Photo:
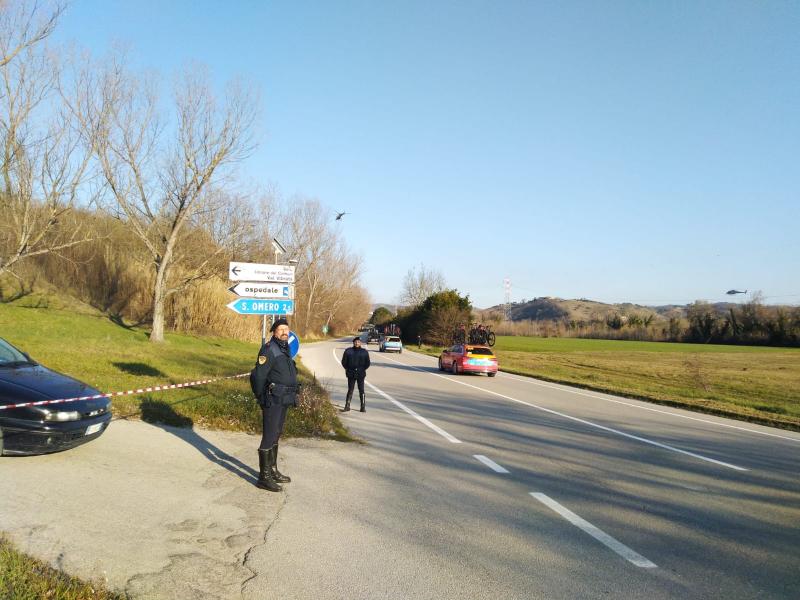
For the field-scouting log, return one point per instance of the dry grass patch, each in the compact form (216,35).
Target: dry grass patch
(25,578)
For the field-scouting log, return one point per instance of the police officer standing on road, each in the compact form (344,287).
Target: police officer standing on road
(355,362)
(274,382)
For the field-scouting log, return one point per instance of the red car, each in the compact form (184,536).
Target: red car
(468,359)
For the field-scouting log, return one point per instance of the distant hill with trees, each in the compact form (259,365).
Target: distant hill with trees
(751,322)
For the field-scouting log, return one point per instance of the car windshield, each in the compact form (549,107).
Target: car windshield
(481,351)
(10,355)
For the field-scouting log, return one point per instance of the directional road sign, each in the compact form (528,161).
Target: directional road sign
(239,271)
(294,344)
(260,289)
(253,306)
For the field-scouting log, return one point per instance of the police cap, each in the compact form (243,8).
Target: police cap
(278,323)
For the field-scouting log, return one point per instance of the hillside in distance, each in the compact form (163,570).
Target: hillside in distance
(549,308)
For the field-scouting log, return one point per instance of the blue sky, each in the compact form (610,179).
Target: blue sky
(620,151)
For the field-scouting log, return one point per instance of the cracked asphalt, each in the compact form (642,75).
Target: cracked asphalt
(154,511)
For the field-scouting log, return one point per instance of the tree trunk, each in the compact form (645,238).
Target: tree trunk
(160,295)
(157,334)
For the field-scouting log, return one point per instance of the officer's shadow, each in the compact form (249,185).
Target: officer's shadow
(164,416)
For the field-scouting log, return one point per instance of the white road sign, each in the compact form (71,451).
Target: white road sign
(260,289)
(239,271)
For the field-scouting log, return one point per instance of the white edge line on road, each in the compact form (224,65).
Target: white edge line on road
(420,418)
(490,463)
(598,534)
(565,388)
(584,421)
(533,381)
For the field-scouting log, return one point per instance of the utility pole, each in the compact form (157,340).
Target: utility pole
(507,299)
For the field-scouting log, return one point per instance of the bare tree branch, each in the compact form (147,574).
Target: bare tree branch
(44,164)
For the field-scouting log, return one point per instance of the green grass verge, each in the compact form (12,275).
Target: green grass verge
(89,346)
(25,578)
(753,383)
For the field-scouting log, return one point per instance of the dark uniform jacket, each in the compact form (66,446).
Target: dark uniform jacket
(275,375)
(355,362)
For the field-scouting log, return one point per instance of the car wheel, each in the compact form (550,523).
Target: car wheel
(454,368)
(399,351)
(491,374)
(441,366)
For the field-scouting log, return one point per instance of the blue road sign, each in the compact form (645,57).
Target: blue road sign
(253,306)
(294,344)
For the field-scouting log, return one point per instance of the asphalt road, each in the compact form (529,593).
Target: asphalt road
(466,487)
(472,487)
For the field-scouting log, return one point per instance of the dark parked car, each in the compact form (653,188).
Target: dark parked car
(51,427)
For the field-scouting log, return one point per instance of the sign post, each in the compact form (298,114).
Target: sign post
(238,271)
(259,289)
(264,289)
(255,306)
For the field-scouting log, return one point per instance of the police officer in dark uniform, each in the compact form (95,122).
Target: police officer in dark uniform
(355,362)
(274,382)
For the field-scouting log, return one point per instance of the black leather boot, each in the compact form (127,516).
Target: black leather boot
(347,401)
(265,478)
(277,475)
(363,402)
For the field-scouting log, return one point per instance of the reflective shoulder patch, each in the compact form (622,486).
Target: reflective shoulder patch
(262,360)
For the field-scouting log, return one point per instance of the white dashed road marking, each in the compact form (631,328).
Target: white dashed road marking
(598,534)
(490,463)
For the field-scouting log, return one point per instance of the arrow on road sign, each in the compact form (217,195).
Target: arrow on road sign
(253,306)
(257,289)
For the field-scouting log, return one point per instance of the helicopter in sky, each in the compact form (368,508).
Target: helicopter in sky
(339,215)
(734,292)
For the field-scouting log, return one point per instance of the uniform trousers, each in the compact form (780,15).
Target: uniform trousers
(351,382)
(273,418)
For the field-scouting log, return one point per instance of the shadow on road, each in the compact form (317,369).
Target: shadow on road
(434,369)
(158,413)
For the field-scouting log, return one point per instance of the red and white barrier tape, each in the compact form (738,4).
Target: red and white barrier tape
(157,388)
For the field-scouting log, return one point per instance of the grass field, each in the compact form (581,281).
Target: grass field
(754,383)
(87,345)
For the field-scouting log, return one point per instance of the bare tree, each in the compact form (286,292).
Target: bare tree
(311,244)
(418,285)
(23,24)
(43,162)
(162,179)
(327,271)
